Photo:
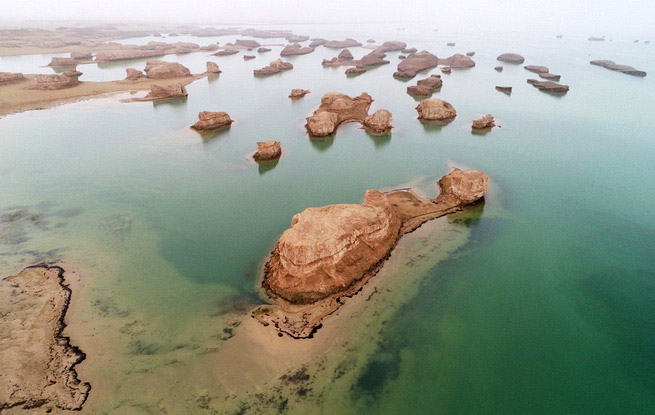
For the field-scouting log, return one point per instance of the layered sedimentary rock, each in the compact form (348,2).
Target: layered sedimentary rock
(537,69)
(299,93)
(511,58)
(226,52)
(81,55)
(611,65)
(425,87)
(375,57)
(248,57)
(38,361)
(10,77)
(339,44)
(209,48)
(484,123)
(212,120)
(63,62)
(292,50)
(457,61)
(380,122)
(276,66)
(414,63)
(50,82)
(73,73)
(212,67)
(505,89)
(329,252)
(549,86)
(436,110)
(134,74)
(336,109)
(156,69)
(158,92)
(267,151)
(357,70)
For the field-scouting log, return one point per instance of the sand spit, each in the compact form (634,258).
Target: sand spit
(38,361)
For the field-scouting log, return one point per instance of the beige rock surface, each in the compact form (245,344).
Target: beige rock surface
(212,120)
(299,93)
(484,123)
(380,122)
(268,150)
(52,81)
(414,63)
(156,69)
(341,109)
(435,110)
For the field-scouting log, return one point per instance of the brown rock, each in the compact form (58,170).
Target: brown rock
(471,53)
(212,120)
(462,187)
(322,124)
(262,50)
(511,58)
(370,41)
(458,61)
(401,57)
(291,50)
(409,50)
(276,66)
(435,110)
(345,55)
(504,89)
(537,69)
(81,55)
(393,46)
(10,77)
(134,74)
(212,67)
(339,44)
(484,123)
(156,69)
(158,92)
(611,65)
(226,52)
(549,86)
(550,76)
(357,70)
(380,122)
(267,151)
(433,81)
(73,73)
(450,44)
(209,48)
(247,43)
(63,62)
(420,90)
(499,68)
(317,42)
(299,93)
(425,87)
(414,63)
(50,82)
(341,109)
(248,57)
(446,69)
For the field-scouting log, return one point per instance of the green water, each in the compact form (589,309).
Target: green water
(547,307)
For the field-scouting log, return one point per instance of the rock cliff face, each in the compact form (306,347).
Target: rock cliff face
(212,120)
(435,110)
(336,109)
(511,58)
(63,62)
(328,249)
(156,69)
(537,69)
(134,74)
(611,65)
(425,87)
(158,92)
(414,63)
(549,86)
(10,77)
(212,67)
(50,82)
(380,122)
(267,151)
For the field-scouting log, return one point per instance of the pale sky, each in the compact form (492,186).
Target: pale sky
(610,17)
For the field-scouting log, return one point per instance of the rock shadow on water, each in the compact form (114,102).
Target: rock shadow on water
(322,143)
(470,216)
(209,135)
(266,166)
(434,126)
(174,102)
(379,140)
(481,131)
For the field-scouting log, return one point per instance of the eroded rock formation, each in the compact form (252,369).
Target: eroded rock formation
(457,61)
(156,69)
(339,44)
(484,123)
(611,65)
(549,86)
(336,109)
(537,69)
(436,110)
(63,62)
(511,58)
(276,66)
(267,151)
(10,77)
(212,120)
(158,92)
(226,52)
(51,81)
(357,70)
(425,87)
(292,50)
(414,63)
(134,74)
(212,67)
(299,93)
(504,89)
(345,55)
(380,122)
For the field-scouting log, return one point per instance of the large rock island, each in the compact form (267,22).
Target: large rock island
(329,252)
(337,109)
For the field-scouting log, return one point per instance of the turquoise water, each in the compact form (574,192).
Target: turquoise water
(547,308)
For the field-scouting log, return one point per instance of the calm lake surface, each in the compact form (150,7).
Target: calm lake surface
(545,305)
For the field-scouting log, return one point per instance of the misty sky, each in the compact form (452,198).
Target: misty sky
(633,17)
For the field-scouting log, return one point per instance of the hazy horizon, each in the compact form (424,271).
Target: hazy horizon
(599,17)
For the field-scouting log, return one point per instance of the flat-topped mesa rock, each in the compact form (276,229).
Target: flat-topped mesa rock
(246,43)
(485,123)
(345,55)
(38,361)
(611,65)
(375,57)
(505,89)
(226,52)
(81,56)
(156,69)
(394,46)
(299,93)
(435,110)
(549,86)
(511,58)
(52,82)
(63,62)
(537,69)
(212,67)
(458,61)
(268,151)
(330,252)
(158,92)
(425,87)
(471,53)
(550,76)
(262,50)
(416,62)
(356,71)
(212,120)
(380,122)
(499,68)
(134,74)
(276,66)
(291,50)
(450,44)
(151,50)
(248,57)
(340,44)
(336,109)
(7,77)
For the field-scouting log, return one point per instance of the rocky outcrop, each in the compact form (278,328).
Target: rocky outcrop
(611,65)
(596,39)
(345,55)
(375,57)
(380,122)
(212,120)
(550,76)
(317,42)
(504,89)
(81,55)
(6,77)
(409,50)
(226,52)
(416,62)
(436,110)
(299,93)
(51,82)
(484,123)
(158,92)
(471,53)
(248,57)
(262,50)
(425,87)
(457,61)
(63,62)
(244,43)
(511,58)
(267,151)
(209,48)
(292,50)
(549,86)
(73,73)
(499,68)
(370,40)
(212,67)
(276,66)
(394,46)
(329,252)
(134,74)
(156,69)
(446,69)
(38,360)
(537,69)
(336,109)
(356,71)
(450,44)
(339,44)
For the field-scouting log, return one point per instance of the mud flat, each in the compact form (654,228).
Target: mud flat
(38,361)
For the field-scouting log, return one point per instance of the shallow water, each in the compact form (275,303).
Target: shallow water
(546,308)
